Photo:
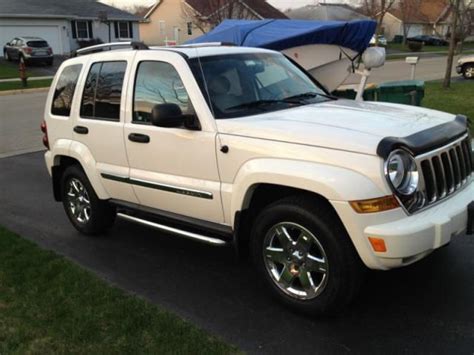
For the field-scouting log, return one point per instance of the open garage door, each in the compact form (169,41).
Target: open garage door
(50,33)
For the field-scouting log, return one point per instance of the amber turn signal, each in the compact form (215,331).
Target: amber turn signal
(375,204)
(378,244)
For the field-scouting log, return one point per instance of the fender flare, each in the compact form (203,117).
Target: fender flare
(82,154)
(331,182)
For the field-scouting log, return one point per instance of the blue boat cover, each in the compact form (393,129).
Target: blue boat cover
(283,34)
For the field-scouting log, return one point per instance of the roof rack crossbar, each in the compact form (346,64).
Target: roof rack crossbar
(109,47)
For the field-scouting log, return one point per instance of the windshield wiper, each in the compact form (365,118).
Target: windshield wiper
(263,103)
(309,95)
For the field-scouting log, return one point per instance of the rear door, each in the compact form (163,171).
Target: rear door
(100,122)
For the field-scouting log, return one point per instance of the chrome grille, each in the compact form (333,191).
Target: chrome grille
(444,171)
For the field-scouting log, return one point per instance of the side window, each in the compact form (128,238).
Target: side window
(157,83)
(64,92)
(103,91)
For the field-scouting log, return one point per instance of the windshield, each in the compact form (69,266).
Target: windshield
(238,85)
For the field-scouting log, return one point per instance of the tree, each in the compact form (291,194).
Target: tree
(376,9)
(456,4)
(408,9)
(213,12)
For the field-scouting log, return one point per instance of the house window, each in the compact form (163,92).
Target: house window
(82,29)
(162,27)
(124,30)
(190,28)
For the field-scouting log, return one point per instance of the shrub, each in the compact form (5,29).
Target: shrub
(83,43)
(414,46)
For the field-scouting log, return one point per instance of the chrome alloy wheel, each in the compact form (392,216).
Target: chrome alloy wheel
(295,260)
(78,201)
(469,72)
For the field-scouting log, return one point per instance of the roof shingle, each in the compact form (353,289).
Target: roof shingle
(87,9)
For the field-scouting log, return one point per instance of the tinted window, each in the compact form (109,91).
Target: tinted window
(238,85)
(158,83)
(64,91)
(37,44)
(103,91)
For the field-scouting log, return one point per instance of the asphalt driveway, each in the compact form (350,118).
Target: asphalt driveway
(426,308)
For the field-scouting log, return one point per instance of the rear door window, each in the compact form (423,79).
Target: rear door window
(64,91)
(103,91)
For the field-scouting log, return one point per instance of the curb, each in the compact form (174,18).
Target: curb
(23,91)
(30,78)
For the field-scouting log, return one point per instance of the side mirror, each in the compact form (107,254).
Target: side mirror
(373,57)
(171,116)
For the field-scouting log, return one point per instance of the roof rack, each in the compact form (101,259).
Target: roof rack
(109,47)
(204,44)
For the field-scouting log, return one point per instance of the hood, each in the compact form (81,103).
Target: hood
(340,124)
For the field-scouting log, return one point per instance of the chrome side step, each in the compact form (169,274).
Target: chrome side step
(190,235)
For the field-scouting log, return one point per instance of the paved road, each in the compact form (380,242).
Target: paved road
(20,119)
(426,69)
(426,308)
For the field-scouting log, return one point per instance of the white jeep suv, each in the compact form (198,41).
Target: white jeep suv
(240,146)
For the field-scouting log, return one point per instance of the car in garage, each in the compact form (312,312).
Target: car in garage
(429,40)
(28,50)
(465,66)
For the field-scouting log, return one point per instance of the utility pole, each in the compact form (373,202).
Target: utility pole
(452,44)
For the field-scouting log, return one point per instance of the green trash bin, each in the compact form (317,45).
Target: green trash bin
(408,92)
(371,93)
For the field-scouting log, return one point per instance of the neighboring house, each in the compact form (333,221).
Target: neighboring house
(170,21)
(326,11)
(431,17)
(65,22)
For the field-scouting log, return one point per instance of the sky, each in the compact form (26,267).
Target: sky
(280,4)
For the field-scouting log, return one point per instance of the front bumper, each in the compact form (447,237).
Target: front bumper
(407,238)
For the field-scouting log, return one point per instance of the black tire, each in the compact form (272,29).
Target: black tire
(49,62)
(468,71)
(101,213)
(345,269)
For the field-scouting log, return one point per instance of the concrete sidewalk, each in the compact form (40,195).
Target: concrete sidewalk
(29,79)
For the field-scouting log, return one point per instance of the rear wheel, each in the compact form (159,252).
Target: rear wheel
(49,62)
(87,213)
(468,71)
(305,257)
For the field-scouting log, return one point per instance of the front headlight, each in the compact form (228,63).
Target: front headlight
(402,172)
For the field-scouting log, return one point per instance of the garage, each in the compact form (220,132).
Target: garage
(51,34)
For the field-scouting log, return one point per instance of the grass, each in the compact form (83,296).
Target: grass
(457,99)
(48,305)
(8,71)
(16,85)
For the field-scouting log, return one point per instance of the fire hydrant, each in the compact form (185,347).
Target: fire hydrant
(22,70)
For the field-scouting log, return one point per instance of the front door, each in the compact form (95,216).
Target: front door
(171,169)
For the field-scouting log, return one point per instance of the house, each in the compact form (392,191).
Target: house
(326,11)
(65,23)
(176,21)
(428,17)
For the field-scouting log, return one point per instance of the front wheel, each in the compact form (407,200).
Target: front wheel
(305,257)
(468,71)
(87,213)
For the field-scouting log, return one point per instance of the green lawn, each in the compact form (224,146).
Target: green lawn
(7,71)
(49,305)
(457,99)
(16,85)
